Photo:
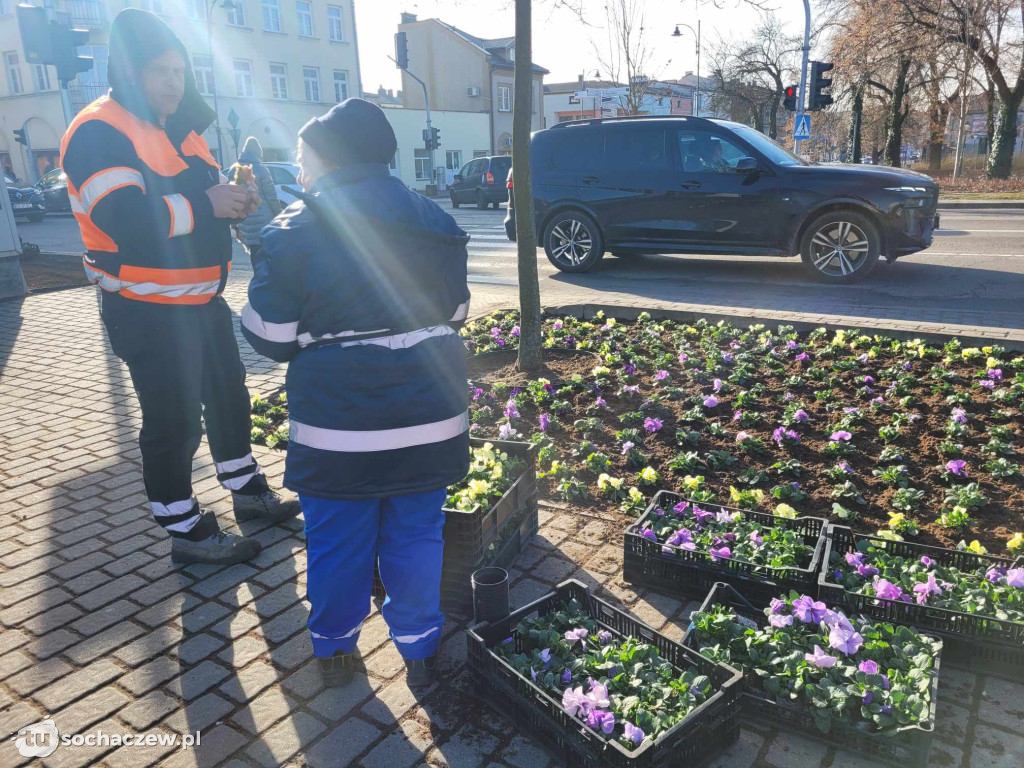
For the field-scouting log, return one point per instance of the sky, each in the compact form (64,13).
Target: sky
(562,42)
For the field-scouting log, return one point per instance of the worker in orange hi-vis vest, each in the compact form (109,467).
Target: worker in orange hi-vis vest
(155,214)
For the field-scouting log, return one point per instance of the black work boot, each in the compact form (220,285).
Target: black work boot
(421,673)
(337,670)
(219,548)
(256,499)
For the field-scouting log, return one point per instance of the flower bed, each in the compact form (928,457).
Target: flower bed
(684,548)
(868,686)
(974,602)
(598,687)
(880,434)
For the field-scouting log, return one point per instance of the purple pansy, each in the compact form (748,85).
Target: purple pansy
(600,720)
(723,553)
(845,640)
(661,375)
(576,635)
(840,434)
(987,384)
(926,561)
(515,331)
(604,636)
(545,422)
(957,467)
(820,659)
(1015,578)
(627,447)
(800,415)
(717,385)
(650,535)
(927,588)
(511,411)
(959,415)
(803,357)
(868,667)
(710,401)
(887,590)
(777,605)
(632,733)
(778,621)
(567,677)
(996,374)
(868,697)
(652,424)
(575,702)
(809,610)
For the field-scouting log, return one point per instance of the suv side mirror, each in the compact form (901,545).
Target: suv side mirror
(746,165)
(458,177)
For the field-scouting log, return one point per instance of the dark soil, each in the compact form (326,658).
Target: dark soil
(49,271)
(994,523)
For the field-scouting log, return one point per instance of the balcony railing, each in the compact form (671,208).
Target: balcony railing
(82,95)
(85,13)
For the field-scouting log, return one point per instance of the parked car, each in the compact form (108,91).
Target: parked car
(481,181)
(26,202)
(698,185)
(284,174)
(54,186)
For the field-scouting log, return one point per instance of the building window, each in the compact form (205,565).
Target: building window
(504,98)
(236,14)
(340,85)
(304,12)
(453,159)
(13,66)
(41,74)
(271,16)
(202,67)
(278,81)
(393,164)
(335,24)
(196,9)
(243,78)
(422,165)
(311,80)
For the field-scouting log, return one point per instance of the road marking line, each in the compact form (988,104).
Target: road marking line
(980,231)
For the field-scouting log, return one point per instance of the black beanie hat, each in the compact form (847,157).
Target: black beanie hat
(136,38)
(354,131)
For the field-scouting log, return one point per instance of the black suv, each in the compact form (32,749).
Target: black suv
(696,185)
(482,181)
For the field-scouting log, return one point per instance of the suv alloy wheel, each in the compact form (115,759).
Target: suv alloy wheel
(573,242)
(840,247)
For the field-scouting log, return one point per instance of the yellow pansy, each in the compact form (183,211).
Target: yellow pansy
(784,510)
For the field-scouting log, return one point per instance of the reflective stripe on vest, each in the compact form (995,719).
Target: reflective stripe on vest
(366,441)
(160,286)
(102,184)
(392,341)
(181,215)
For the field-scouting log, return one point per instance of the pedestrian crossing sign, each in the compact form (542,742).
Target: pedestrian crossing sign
(802,127)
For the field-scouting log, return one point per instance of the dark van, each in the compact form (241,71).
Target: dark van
(482,181)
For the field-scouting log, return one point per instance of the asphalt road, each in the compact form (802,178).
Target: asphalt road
(972,275)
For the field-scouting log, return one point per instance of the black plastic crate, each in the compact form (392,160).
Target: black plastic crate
(710,728)
(456,575)
(692,574)
(908,747)
(468,535)
(983,644)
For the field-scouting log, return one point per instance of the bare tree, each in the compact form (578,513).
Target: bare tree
(755,71)
(627,56)
(982,26)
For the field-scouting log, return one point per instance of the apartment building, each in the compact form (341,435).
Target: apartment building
(267,66)
(466,73)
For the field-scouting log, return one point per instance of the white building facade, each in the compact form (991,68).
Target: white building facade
(269,65)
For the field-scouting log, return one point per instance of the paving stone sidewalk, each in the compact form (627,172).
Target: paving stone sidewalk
(100,631)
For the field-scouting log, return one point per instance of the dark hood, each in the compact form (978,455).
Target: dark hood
(137,37)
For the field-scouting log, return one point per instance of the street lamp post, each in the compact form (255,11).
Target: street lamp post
(228,5)
(696,32)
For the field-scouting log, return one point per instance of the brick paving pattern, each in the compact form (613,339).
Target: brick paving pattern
(101,631)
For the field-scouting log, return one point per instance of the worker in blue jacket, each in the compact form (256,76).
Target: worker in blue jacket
(361,286)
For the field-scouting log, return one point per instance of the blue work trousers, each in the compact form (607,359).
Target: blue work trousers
(404,534)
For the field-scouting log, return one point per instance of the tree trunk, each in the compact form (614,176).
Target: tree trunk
(853,149)
(526,237)
(990,113)
(897,114)
(1000,156)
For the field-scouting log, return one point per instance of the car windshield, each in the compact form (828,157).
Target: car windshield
(770,149)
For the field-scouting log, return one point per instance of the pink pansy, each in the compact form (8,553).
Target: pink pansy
(820,659)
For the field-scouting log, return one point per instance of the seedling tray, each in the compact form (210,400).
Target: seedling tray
(983,644)
(710,728)
(908,747)
(692,573)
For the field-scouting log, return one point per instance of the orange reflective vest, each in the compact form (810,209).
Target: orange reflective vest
(140,201)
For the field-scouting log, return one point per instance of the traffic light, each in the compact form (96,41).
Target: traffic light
(51,42)
(36,38)
(20,137)
(401,50)
(65,48)
(789,102)
(819,83)
(435,137)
